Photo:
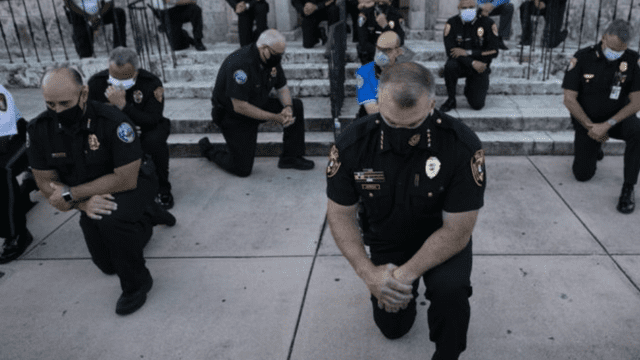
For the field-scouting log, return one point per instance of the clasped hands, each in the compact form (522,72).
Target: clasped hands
(116,96)
(391,286)
(285,117)
(95,207)
(599,131)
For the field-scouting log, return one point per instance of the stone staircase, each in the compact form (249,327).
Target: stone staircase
(522,116)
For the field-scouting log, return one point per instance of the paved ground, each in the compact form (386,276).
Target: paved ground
(251,272)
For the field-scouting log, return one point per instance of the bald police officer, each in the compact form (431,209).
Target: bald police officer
(376,17)
(602,93)
(420,177)
(241,103)
(86,155)
(471,42)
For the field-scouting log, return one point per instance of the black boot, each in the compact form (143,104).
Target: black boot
(448,105)
(14,247)
(627,203)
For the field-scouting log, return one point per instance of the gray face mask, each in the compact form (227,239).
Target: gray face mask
(381,59)
(612,55)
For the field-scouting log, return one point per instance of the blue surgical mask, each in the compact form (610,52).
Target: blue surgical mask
(612,55)
(122,84)
(468,15)
(381,59)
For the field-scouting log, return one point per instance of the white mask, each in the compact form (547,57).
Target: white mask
(122,84)
(612,55)
(468,15)
(381,59)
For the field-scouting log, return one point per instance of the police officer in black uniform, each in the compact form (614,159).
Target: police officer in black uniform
(248,12)
(312,13)
(87,15)
(553,12)
(375,18)
(176,13)
(86,155)
(140,95)
(420,178)
(241,102)
(602,93)
(471,42)
(13,203)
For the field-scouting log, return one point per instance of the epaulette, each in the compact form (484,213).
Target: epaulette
(462,131)
(358,129)
(100,74)
(585,51)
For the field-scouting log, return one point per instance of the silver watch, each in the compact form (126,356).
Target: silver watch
(612,122)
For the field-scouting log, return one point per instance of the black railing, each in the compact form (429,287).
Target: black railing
(337,63)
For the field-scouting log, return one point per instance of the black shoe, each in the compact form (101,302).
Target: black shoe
(165,200)
(525,43)
(159,216)
(448,105)
(323,36)
(128,304)
(502,45)
(600,154)
(560,39)
(205,146)
(14,247)
(199,45)
(298,163)
(627,203)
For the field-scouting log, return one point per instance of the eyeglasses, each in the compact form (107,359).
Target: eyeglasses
(386,50)
(273,52)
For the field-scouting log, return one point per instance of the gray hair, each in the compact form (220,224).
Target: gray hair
(416,80)
(621,29)
(74,73)
(270,37)
(123,55)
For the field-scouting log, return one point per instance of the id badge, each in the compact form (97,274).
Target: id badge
(615,92)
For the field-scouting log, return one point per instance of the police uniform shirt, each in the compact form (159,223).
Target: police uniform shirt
(101,141)
(367,83)
(321,4)
(404,195)
(243,76)
(478,36)
(145,99)
(367,20)
(597,79)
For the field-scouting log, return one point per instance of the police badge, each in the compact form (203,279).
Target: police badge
(477,167)
(432,167)
(480,31)
(274,72)
(94,144)
(334,162)
(137,96)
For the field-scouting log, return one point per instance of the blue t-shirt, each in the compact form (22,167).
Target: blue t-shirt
(367,84)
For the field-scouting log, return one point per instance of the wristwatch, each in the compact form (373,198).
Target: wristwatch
(66,194)
(612,122)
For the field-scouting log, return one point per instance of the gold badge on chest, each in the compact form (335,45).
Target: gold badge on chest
(480,31)
(137,96)
(432,167)
(274,72)
(94,144)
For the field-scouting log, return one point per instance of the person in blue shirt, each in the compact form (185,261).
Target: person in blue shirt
(387,51)
(505,9)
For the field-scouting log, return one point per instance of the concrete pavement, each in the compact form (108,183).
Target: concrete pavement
(251,272)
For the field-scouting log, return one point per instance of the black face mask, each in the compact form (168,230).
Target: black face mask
(273,61)
(68,118)
(401,139)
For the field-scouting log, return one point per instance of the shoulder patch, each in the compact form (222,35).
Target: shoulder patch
(494,29)
(126,133)
(478,167)
(334,162)
(447,29)
(572,64)
(158,93)
(240,77)
(359,81)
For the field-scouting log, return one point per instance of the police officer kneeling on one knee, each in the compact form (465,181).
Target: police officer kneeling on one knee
(420,178)
(471,42)
(241,102)
(140,95)
(376,17)
(86,155)
(602,93)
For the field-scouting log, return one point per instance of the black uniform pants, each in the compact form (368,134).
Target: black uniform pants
(83,35)
(178,15)
(116,241)
(476,85)
(154,143)
(506,15)
(448,290)
(13,207)
(553,16)
(352,10)
(241,135)
(257,12)
(586,150)
(311,24)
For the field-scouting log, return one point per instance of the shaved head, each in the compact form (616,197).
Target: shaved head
(388,40)
(60,77)
(63,88)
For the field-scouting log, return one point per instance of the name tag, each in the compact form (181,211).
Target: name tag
(615,92)
(369,176)
(370,187)
(58,155)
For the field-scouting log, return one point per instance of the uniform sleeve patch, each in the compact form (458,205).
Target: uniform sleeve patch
(159,94)
(447,29)
(478,167)
(334,162)
(572,64)
(359,81)
(240,77)
(494,28)
(126,133)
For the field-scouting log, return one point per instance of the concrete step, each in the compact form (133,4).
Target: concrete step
(320,87)
(501,113)
(509,143)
